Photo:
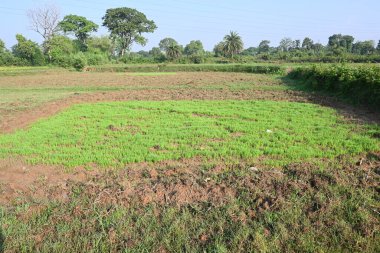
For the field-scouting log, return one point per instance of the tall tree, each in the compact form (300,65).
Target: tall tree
(28,50)
(378,46)
(127,25)
(297,44)
(174,52)
(364,47)
(218,49)
(166,43)
(341,41)
(286,44)
(195,47)
(44,21)
(307,43)
(264,46)
(233,44)
(80,27)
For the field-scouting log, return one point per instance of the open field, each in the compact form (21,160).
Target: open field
(184,162)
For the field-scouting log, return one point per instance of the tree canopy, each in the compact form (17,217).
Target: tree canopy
(233,44)
(166,43)
(195,47)
(79,26)
(28,50)
(127,25)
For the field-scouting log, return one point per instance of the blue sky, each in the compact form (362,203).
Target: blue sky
(210,20)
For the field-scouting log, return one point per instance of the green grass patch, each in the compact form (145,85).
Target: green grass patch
(118,133)
(242,68)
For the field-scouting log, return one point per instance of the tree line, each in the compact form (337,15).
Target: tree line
(69,43)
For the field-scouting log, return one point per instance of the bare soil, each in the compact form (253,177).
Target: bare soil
(181,182)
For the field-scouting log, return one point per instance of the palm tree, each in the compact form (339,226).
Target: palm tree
(173,51)
(233,44)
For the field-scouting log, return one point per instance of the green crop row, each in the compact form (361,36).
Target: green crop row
(361,84)
(258,69)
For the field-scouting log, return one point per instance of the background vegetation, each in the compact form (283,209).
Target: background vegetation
(69,43)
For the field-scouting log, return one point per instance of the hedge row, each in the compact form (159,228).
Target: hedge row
(259,69)
(361,84)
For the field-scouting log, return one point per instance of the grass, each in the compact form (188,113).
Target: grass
(118,133)
(318,198)
(308,211)
(242,68)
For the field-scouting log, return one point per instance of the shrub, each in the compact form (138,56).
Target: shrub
(359,83)
(79,62)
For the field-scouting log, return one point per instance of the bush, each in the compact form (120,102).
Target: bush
(359,83)
(96,59)
(79,62)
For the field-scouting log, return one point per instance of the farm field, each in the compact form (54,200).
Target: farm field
(183,162)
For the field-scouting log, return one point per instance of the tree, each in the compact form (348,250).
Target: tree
(233,44)
(166,43)
(317,47)
(364,47)
(2,46)
(307,43)
(156,53)
(28,50)
(173,52)
(195,47)
(44,21)
(264,46)
(286,44)
(101,44)
(127,25)
(378,47)
(297,44)
(80,27)
(341,41)
(218,49)
(250,51)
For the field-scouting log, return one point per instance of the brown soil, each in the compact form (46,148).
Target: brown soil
(183,182)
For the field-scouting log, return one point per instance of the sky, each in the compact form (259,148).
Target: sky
(210,20)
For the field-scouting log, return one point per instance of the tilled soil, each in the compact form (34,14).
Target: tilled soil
(181,182)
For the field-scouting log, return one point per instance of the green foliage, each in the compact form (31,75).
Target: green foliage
(194,48)
(232,44)
(166,43)
(61,48)
(345,42)
(2,46)
(114,134)
(264,46)
(79,62)
(157,54)
(173,52)
(241,68)
(361,84)
(28,50)
(218,49)
(307,43)
(364,47)
(127,25)
(80,27)
(101,44)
